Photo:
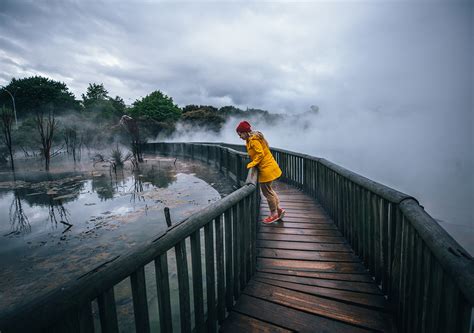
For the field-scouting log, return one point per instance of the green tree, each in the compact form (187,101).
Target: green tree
(206,118)
(119,105)
(97,100)
(156,107)
(230,110)
(192,107)
(95,94)
(38,93)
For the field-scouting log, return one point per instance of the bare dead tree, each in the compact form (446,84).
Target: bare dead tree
(66,139)
(131,126)
(6,118)
(72,141)
(46,126)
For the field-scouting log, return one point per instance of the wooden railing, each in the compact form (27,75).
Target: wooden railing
(427,276)
(229,254)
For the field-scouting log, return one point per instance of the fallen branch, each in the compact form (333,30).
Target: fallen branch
(68,224)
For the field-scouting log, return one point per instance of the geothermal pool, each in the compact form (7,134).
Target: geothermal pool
(59,225)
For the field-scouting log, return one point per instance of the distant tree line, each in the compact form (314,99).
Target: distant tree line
(50,118)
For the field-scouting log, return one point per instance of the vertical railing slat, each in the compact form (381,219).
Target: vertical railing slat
(228,261)
(418,283)
(197,281)
(140,303)
(427,286)
(86,321)
(236,252)
(449,308)
(163,290)
(220,269)
(108,312)
(183,283)
(210,277)
(243,241)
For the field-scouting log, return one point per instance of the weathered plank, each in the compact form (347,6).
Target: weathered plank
(346,313)
(304,246)
(238,323)
(361,287)
(303,210)
(307,255)
(305,215)
(295,231)
(301,219)
(301,238)
(375,301)
(308,265)
(290,318)
(319,226)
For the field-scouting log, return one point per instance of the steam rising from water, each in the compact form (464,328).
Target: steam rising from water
(381,147)
(397,108)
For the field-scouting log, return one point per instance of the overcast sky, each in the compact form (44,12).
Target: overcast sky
(393,79)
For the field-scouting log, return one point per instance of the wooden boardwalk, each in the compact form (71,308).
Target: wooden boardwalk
(308,278)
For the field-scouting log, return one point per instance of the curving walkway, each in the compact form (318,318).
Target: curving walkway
(308,278)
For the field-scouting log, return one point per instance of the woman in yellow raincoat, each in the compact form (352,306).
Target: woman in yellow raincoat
(268,169)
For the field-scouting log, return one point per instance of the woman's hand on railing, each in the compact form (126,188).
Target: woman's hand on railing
(252,176)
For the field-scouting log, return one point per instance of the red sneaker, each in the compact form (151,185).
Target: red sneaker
(281,213)
(271,219)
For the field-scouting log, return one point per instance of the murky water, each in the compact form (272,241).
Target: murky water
(59,225)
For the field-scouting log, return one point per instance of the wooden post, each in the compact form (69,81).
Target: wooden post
(228,260)
(140,302)
(163,290)
(210,277)
(108,312)
(168,217)
(183,284)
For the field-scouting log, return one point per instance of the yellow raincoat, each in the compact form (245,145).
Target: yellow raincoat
(262,158)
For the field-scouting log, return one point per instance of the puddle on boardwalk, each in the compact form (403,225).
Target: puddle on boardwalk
(56,226)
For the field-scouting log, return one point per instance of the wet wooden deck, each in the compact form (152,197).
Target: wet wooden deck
(308,278)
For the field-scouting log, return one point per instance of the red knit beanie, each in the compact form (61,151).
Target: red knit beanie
(244,126)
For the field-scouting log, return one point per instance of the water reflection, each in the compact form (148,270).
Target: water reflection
(71,222)
(39,189)
(137,189)
(104,186)
(158,176)
(59,213)
(107,186)
(18,219)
